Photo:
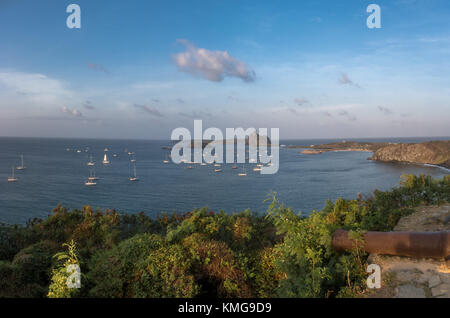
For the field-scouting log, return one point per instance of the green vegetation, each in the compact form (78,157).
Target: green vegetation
(202,253)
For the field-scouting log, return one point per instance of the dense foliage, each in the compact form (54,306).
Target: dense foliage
(202,253)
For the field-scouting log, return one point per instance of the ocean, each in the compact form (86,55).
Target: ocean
(55,176)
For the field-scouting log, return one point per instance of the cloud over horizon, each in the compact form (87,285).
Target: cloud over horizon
(211,65)
(149,110)
(73,112)
(347,115)
(385,110)
(88,105)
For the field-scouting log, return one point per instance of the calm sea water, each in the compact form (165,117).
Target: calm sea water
(304,182)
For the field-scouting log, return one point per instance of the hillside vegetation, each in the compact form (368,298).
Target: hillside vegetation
(203,253)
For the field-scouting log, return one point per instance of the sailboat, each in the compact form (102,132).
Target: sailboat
(105,160)
(91,162)
(133,158)
(92,176)
(90,183)
(12,178)
(21,167)
(243,173)
(134,177)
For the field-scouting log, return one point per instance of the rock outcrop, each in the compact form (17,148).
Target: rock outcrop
(432,152)
(404,277)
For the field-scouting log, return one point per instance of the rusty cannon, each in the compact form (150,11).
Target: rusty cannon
(412,244)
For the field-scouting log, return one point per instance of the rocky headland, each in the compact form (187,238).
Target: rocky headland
(433,152)
(430,152)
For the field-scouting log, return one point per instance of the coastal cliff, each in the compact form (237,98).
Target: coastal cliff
(433,152)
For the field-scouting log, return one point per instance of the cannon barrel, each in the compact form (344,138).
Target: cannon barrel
(413,244)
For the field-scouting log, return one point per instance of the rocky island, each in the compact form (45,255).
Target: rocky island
(430,152)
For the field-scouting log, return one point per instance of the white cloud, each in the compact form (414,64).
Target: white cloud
(73,112)
(211,65)
(34,87)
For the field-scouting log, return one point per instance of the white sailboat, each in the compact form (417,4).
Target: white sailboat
(90,183)
(134,177)
(105,160)
(12,178)
(91,162)
(22,166)
(91,180)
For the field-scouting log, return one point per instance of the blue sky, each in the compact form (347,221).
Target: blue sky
(138,69)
